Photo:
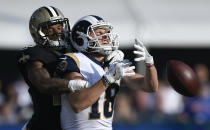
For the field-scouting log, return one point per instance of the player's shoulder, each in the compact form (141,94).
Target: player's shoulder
(67,63)
(70,58)
(31,49)
(23,53)
(78,55)
(74,54)
(32,53)
(36,49)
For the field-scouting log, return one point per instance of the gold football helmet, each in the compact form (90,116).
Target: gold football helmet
(44,17)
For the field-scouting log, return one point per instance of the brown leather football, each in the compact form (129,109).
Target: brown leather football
(182,78)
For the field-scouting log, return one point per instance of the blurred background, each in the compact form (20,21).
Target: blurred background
(171,29)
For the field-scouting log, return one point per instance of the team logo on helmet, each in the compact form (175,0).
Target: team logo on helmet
(82,41)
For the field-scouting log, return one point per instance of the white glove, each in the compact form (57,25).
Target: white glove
(142,53)
(77,85)
(118,70)
(126,71)
(116,55)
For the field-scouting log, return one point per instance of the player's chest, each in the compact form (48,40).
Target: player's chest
(91,71)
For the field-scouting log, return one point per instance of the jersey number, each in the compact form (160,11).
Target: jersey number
(107,105)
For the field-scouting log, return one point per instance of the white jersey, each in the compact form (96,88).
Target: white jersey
(98,116)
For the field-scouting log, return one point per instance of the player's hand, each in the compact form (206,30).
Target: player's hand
(115,56)
(126,70)
(142,53)
(77,85)
(118,70)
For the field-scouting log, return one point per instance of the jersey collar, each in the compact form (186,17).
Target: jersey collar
(93,59)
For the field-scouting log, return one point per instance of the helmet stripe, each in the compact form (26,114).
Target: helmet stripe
(90,19)
(97,17)
(52,11)
(55,10)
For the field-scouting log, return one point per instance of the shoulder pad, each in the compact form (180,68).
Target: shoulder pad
(73,57)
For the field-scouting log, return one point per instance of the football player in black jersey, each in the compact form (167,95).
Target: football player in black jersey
(50,31)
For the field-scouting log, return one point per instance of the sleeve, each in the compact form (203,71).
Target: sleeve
(67,63)
(22,57)
(32,54)
(37,54)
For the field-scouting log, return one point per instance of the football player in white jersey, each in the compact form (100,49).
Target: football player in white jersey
(91,108)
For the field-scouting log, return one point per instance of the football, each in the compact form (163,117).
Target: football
(182,78)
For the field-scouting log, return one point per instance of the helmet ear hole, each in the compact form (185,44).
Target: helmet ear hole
(80,43)
(81,40)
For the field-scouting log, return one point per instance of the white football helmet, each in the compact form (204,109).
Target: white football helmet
(82,41)
(44,17)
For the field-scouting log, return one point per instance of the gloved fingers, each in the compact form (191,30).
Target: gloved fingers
(126,60)
(129,68)
(116,62)
(116,55)
(138,53)
(120,53)
(83,83)
(110,56)
(126,64)
(129,74)
(112,61)
(77,84)
(138,47)
(138,42)
(139,59)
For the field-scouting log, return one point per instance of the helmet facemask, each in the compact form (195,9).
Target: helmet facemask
(93,43)
(62,38)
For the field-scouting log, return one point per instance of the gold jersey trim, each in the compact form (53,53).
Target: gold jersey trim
(74,57)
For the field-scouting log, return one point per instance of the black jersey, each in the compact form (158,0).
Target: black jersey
(46,114)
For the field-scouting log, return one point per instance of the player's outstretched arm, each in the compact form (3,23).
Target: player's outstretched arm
(40,78)
(151,79)
(149,82)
